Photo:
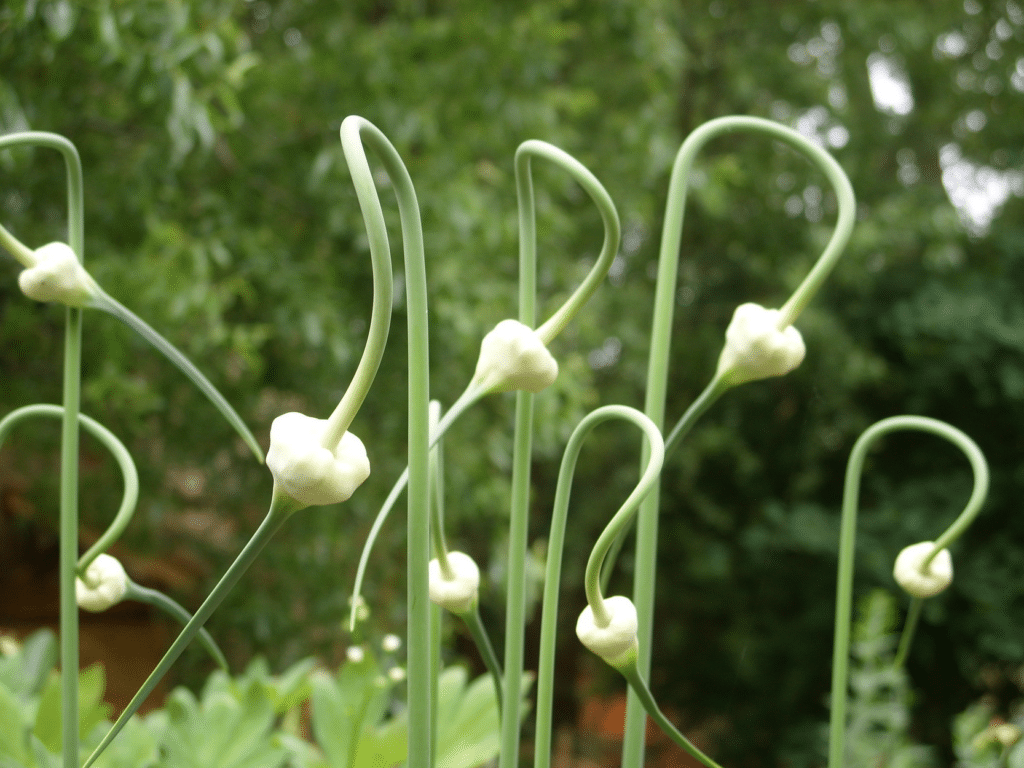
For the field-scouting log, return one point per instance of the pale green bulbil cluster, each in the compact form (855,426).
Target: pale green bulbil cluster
(456,591)
(513,357)
(756,347)
(917,576)
(311,473)
(615,640)
(103,585)
(57,275)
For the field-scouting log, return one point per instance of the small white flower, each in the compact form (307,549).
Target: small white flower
(307,471)
(355,653)
(755,348)
(57,276)
(397,674)
(917,582)
(105,584)
(391,643)
(616,643)
(512,357)
(458,595)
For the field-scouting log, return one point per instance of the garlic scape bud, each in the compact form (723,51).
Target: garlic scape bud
(104,584)
(756,347)
(919,580)
(57,275)
(513,356)
(616,640)
(307,470)
(458,591)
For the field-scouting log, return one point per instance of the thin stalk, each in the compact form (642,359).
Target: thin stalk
(847,540)
(907,636)
(661,335)
(113,307)
(281,508)
(478,632)
(646,699)
(354,132)
(556,546)
(170,607)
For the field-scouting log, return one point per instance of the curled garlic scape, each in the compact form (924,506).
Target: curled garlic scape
(308,471)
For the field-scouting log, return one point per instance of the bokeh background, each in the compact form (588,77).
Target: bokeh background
(219,208)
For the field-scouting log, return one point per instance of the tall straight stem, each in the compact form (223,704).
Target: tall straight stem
(515,606)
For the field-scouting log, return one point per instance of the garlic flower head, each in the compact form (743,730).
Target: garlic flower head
(755,348)
(512,357)
(105,584)
(458,595)
(308,472)
(57,276)
(915,580)
(616,643)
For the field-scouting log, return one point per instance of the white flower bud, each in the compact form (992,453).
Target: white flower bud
(308,472)
(616,643)
(917,582)
(755,348)
(512,356)
(104,585)
(57,276)
(458,595)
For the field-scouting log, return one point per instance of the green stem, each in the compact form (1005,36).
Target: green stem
(609,216)
(556,545)
(847,540)
(907,636)
(171,608)
(661,335)
(354,132)
(21,252)
(113,307)
(281,508)
(478,632)
(69,436)
(437,495)
(646,699)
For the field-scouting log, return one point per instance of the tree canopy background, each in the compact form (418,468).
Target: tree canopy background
(218,207)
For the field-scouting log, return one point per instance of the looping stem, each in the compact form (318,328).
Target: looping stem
(847,539)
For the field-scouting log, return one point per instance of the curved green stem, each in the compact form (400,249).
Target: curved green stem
(106,303)
(354,132)
(907,636)
(646,699)
(437,495)
(281,508)
(69,439)
(556,545)
(159,600)
(21,252)
(847,539)
(482,640)
(609,216)
(661,335)
(129,474)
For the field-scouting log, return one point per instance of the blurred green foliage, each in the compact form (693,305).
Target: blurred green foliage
(219,208)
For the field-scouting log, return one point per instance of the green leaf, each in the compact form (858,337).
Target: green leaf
(13,728)
(91,707)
